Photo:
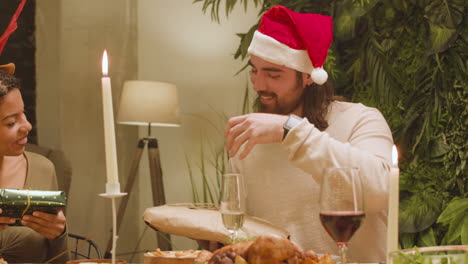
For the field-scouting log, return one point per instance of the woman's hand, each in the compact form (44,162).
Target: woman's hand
(5,221)
(49,225)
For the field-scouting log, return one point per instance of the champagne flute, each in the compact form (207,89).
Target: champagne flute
(232,203)
(341,205)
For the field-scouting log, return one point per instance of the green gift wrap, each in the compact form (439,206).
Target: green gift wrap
(16,203)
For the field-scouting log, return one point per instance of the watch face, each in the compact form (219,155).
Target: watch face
(289,123)
(292,121)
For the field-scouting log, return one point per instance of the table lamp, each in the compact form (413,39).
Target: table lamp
(148,103)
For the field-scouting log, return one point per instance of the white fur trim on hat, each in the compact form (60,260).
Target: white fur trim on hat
(276,52)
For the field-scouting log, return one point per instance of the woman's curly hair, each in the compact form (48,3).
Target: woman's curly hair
(8,82)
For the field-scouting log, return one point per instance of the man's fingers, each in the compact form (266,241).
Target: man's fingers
(233,121)
(248,147)
(257,128)
(235,132)
(238,142)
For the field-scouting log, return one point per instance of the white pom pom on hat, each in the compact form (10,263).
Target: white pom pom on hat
(319,75)
(296,40)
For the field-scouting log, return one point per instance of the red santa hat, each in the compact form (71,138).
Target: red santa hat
(295,40)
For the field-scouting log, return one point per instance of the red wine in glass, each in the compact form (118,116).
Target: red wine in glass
(341,205)
(341,225)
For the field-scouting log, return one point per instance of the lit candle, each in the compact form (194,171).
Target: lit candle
(393,200)
(109,132)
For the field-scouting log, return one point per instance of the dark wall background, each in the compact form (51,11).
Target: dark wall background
(20,49)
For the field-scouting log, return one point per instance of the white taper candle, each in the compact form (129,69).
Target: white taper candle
(109,131)
(393,201)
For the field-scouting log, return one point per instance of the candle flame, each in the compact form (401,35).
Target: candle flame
(104,63)
(394,156)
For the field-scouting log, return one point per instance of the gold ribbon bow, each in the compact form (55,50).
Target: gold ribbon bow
(27,205)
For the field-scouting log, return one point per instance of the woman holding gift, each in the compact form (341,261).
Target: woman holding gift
(42,235)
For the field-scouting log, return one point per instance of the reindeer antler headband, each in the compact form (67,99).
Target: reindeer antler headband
(12,26)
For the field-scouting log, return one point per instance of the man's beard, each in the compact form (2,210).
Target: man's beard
(277,108)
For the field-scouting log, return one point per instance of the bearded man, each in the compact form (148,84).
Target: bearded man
(301,130)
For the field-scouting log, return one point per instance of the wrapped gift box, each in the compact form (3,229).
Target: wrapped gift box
(189,220)
(16,203)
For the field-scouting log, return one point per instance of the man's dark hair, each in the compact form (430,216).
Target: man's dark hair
(316,98)
(8,82)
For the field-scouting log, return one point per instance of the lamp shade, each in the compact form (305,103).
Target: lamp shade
(149,102)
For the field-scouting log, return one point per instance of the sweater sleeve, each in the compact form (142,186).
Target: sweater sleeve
(367,145)
(59,246)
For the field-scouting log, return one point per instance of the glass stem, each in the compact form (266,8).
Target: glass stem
(343,249)
(233,235)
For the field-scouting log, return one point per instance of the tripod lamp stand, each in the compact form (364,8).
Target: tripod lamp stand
(147,103)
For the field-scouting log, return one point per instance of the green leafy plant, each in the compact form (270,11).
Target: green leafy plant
(403,258)
(204,183)
(454,217)
(409,59)
(208,191)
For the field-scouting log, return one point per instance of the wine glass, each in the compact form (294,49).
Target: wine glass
(341,205)
(232,203)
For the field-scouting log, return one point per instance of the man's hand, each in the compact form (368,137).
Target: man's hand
(5,221)
(252,129)
(49,225)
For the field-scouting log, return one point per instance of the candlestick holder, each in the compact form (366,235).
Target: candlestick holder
(112,192)
(147,103)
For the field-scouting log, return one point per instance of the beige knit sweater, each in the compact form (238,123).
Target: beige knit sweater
(283,180)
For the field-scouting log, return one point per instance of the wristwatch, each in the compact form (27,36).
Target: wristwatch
(292,121)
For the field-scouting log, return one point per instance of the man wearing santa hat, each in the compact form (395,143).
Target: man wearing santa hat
(300,131)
